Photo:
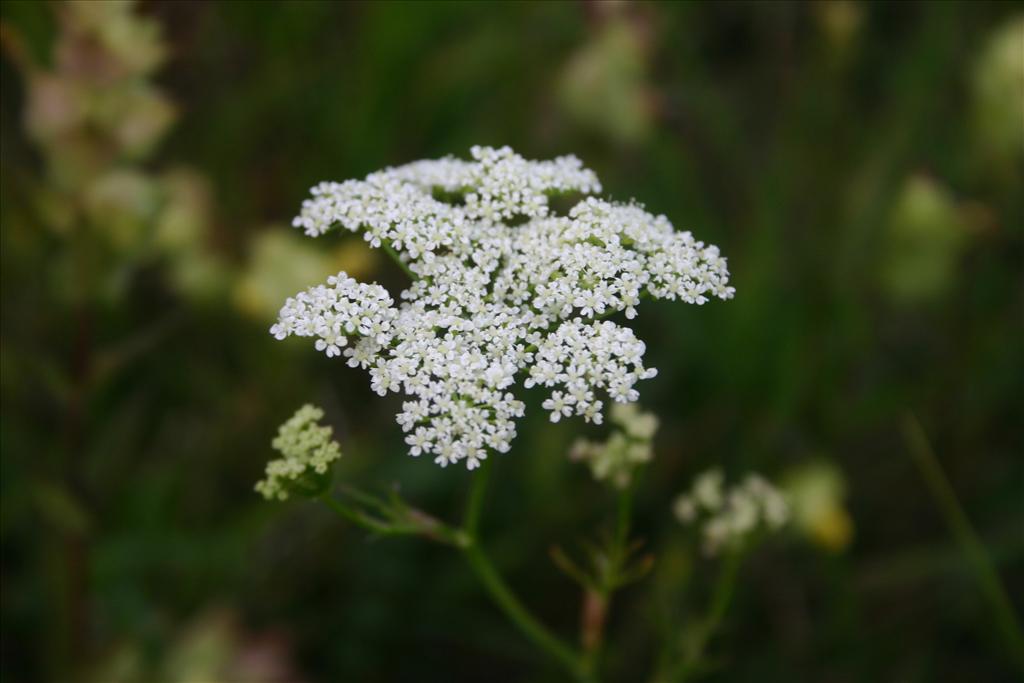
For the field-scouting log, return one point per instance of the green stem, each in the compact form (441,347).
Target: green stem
(466,540)
(966,537)
(390,251)
(397,521)
(519,615)
(500,592)
(475,501)
(725,588)
(623,519)
(597,600)
(356,517)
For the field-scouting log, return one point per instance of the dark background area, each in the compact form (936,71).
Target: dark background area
(860,164)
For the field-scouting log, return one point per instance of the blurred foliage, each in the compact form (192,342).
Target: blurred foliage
(922,244)
(860,164)
(604,86)
(212,649)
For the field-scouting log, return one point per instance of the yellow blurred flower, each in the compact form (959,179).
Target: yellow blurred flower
(282,262)
(815,493)
(604,85)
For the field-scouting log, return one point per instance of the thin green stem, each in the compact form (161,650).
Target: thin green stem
(966,537)
(475,501)
(390,251)
(520,616)
(625,512)
(721,598)
(597,599)
(355,516)
(725,588)
(500,592)
(466,540)
(397,520)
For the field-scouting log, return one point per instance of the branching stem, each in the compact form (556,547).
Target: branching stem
(357,517)
(466,539)
(597,599)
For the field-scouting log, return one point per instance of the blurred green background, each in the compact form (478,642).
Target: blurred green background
(860,164)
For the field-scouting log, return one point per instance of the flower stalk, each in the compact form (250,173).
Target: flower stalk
(967,538)
(502,595)
(520,616)
(694,660)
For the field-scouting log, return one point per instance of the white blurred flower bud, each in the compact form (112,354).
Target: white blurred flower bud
(729,515)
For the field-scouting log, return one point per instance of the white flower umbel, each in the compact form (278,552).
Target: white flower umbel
(307,451)
(727,516)
(503,287)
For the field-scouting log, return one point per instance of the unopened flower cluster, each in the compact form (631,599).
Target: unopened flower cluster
(628,446)
(727,516)
(503,287)
(307,451)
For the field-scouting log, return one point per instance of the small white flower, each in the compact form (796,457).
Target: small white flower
(419,441)
(707,490)
(559,405)
(730,515)
(685,509)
